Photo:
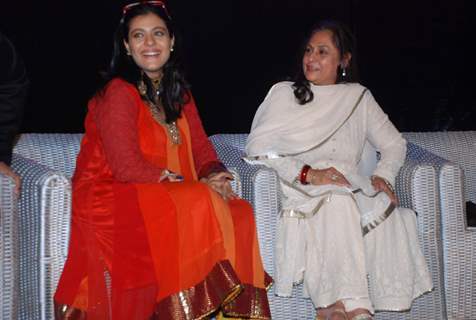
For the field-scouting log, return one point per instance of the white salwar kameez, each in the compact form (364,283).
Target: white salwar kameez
(320,236)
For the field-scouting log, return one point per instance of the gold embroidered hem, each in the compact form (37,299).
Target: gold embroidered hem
(198,302)
(252,303)
(220,289)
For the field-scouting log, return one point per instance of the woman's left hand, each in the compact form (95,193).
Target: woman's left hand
(6,170)
(380,184)
(220,182)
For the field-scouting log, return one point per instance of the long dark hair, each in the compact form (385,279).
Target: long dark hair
(344,41)
(174,89)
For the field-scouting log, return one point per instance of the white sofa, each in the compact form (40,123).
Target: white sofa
(35,230)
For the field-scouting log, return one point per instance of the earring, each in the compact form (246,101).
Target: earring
(128,53)
(171,49)
(343,72)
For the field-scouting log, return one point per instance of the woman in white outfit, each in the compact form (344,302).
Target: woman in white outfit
(339,233)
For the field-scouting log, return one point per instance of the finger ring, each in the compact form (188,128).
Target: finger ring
(334,177)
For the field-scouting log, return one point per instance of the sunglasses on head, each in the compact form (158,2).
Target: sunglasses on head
(154,3)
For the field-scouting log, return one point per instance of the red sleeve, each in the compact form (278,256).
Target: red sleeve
(116,119)
(205,157)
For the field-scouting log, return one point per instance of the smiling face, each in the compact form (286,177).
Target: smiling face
(322,59)
(149,43)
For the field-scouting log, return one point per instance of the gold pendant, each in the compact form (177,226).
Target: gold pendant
(172,128)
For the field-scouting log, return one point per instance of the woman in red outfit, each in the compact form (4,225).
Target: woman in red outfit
(157,232)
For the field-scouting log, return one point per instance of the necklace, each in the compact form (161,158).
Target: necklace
(156,85)
(156,110)
(159,117)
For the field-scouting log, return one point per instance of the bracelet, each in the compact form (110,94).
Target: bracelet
(303,175)
(389,185)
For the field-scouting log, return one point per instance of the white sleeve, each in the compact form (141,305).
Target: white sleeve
(387,140)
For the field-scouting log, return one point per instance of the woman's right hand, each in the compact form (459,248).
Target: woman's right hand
(168,175)
(220,182)
(330,175)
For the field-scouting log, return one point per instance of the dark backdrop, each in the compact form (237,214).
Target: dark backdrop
(415,56)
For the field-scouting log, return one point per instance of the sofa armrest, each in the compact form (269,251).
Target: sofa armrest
(459,243)
(260,186)
(417,180)
(44,223)
(417,187)
(9,262)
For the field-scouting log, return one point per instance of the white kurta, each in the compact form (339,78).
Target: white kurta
(327,250)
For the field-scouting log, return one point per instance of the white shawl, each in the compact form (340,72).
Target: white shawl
(282,126)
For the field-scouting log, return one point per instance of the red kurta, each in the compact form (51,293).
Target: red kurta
(141,249)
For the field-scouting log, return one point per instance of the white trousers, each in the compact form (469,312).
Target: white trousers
(383,270)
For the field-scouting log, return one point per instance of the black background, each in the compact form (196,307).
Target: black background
(415,56)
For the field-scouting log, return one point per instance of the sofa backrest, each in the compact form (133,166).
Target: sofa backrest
(56,151)
(59,151)
(367,164)
(235,140)
(456,146)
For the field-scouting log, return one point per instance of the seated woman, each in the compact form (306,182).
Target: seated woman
(157,232)
(339,233)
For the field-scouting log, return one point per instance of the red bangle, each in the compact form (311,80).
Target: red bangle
(303,175)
